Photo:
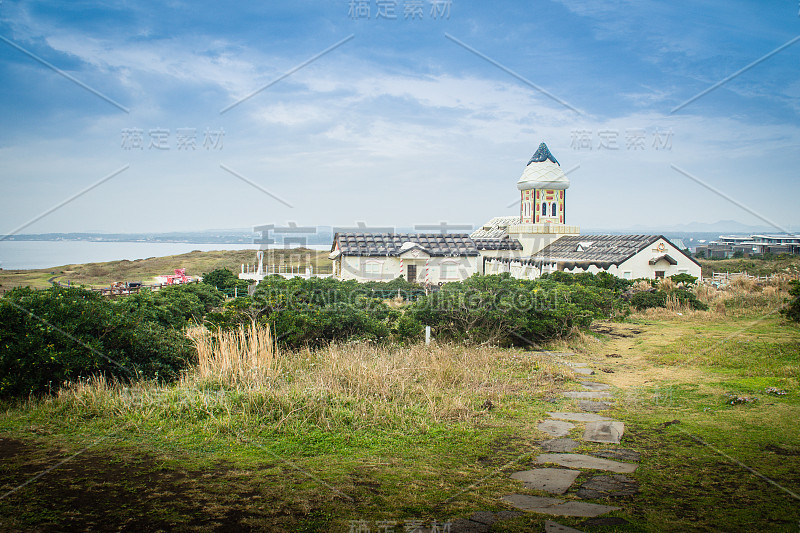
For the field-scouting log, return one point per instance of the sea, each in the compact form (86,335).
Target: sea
(19,255)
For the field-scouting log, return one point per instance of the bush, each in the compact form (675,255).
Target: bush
(172,307)
(66,334)
(792,310)
(224,279)
(318,311)
(686,279)
(689,298)
(602,280)
(500,309)
(645,300)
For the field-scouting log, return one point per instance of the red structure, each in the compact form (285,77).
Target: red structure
(178,278)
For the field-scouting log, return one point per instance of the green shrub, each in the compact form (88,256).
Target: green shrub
(66,334)
(645,300)
(224,279)
(173,307)
(792,309)
(503,310)
(686,279)
(688,297)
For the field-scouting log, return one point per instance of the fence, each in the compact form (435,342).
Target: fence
(724,278)
(124,289)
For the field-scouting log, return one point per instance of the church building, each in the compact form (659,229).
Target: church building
(537,241)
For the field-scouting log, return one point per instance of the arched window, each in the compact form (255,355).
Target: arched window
(373,269)
(544,209)
(554,209)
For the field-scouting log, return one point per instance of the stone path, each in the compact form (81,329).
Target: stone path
(607,431)
(607,468)
(555,428)
(611,464)
(552,480)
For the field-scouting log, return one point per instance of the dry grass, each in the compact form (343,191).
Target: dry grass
(241,379)
(246,354)
(744,296)
(577,340)
(666,284)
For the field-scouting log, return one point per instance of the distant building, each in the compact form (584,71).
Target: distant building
(536,241)
(728,245)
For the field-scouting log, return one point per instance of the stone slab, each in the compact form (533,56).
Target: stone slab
(555,428)
(595,386)
(592,406)
(557,507)
(619,454)
(587,395)
(605,431)
(583,371)
(608,486)
(579,460)
(559,445)
(578,417)
(555,527)
(552,480)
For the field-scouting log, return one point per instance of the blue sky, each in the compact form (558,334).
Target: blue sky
(403,123)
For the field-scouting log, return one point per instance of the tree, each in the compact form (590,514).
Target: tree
(225,280)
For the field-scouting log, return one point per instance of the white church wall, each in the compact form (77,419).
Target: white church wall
(382,268)
(639,265)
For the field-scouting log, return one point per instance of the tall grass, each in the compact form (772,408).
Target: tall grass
(741,297)
(744,296)
(241,380)
(244,354)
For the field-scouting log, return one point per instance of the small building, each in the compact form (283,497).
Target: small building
(425,258)
(625,256)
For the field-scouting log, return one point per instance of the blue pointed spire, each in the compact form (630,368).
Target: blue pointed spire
(543,154)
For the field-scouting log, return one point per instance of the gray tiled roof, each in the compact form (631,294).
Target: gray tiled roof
(434,244)
(497,244)
(495,228)
(597,249)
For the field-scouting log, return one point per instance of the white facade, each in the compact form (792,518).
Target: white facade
(415,263)
(660,259)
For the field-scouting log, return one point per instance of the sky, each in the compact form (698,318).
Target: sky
(183,116)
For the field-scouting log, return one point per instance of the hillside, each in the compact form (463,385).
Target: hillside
(754,267)
(196,263)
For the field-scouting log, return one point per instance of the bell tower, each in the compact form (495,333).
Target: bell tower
(543,194)
(543,190)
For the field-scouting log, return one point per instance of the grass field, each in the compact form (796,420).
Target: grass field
(754,267)
(144,270)
(357,432)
